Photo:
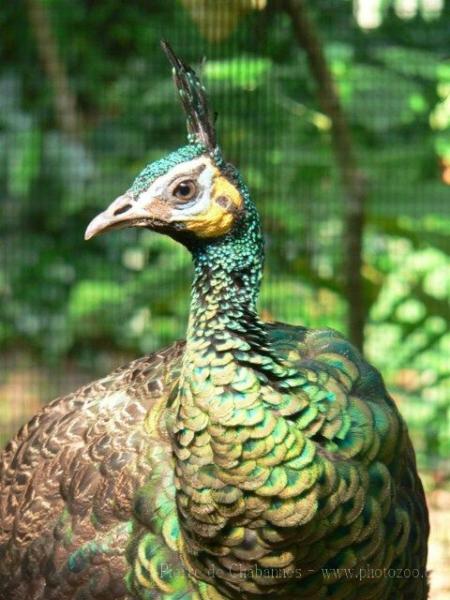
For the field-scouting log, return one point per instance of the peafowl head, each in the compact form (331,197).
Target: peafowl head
(192,194)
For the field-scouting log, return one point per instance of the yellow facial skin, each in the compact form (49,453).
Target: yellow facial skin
(217,220)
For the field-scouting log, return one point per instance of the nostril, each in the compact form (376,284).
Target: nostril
(122,209)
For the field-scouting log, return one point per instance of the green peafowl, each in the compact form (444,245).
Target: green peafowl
(252,460)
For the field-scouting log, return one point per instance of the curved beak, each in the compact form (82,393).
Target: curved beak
(123,212)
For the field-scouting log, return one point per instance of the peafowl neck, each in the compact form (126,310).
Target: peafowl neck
(227,278)
(227,361)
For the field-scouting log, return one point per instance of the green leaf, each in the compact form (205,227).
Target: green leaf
(23,160)
(95,297)
(411,62)
(377,99)
(243,72)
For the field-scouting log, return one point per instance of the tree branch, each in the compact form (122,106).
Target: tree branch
(353,181)
(64,100)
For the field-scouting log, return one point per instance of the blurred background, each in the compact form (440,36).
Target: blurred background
(338,116)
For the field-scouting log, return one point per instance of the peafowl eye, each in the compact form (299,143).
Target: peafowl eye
(253,460)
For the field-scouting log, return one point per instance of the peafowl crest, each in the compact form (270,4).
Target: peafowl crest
(251,460)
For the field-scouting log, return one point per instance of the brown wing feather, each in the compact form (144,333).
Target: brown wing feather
(67,482)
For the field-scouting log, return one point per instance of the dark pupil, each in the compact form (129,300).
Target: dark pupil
(184,189)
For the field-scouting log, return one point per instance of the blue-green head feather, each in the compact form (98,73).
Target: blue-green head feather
(162,166)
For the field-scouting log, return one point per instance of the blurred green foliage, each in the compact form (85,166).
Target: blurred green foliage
(64,298)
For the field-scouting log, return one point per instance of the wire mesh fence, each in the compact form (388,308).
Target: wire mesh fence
(87,101)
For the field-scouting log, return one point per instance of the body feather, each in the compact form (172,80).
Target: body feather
(94,470)
(68,482)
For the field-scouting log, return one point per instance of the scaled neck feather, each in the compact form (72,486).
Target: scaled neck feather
(227,279)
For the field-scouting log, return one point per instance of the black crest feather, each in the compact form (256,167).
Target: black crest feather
(200,117)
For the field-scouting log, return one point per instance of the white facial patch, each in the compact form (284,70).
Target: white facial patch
(203,199)
(158,191)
